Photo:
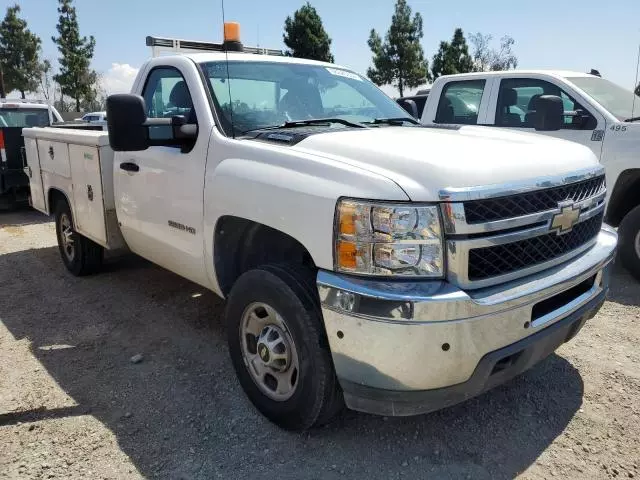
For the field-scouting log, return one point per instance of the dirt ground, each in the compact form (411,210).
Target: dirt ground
(73,405)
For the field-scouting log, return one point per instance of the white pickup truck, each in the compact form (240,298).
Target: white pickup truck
(364,259)
(597,113)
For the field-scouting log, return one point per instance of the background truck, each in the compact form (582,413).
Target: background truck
(597,113)
(14,116)
(358,266)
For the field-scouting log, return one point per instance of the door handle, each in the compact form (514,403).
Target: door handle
(130,167)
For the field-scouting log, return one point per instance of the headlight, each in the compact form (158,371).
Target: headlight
(388,239)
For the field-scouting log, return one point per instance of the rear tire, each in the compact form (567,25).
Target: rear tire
(629,244)
(293,384)
(80,255)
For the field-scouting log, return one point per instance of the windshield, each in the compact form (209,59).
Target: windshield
(24,117)
(617,100)
(263,94)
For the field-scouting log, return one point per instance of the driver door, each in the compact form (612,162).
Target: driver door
(159,191)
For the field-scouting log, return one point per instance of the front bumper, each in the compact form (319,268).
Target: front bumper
(402,348)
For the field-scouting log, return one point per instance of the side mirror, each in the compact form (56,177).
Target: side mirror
(549,113)
(126,123)
(410,106)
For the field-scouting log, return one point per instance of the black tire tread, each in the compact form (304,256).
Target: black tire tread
(627,231)
(333,401)
(295,283)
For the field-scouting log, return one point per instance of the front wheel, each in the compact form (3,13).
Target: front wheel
(80,255)
(629,244)
(279,349)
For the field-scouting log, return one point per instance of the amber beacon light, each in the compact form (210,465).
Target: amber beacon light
(232,36)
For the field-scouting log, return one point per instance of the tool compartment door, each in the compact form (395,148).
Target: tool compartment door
(32,170)
(88,197)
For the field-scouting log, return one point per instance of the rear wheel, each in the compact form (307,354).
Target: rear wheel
(629,245)
(279,349)
(80,255)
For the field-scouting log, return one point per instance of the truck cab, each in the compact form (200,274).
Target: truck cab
(359,267)
(597,114)
(16,114)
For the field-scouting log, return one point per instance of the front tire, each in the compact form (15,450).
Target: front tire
(80,255)
(629,242)
(279,348)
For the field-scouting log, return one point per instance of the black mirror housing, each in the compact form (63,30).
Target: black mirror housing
(549,113)
(410,106)
(126,118)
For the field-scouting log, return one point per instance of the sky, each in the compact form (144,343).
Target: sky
(563,34)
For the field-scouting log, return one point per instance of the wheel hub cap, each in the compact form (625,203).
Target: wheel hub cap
(66,234)
(269,352)
(273,348)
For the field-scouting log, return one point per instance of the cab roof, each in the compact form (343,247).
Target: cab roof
(252,57)
(553,73)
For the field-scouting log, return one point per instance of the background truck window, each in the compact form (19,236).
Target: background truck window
(166,94)
(516,105)
(460,102)
(24,117)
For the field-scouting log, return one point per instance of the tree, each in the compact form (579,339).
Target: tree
(399,60)
(305,35)
(47,88)
(452,57)
(76,78)
(19,54)
(486,58)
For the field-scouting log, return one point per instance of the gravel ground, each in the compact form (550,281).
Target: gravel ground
(73,405)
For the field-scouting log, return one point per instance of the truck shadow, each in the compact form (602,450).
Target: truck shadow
(625,289)
(180,413)
(22,216)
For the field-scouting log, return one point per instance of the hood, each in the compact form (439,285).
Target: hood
(422,161)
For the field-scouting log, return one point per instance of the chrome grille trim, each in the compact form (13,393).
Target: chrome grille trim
(461,237)
(455,223)
(482,192)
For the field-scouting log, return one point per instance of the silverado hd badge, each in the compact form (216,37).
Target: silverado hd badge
(563,221)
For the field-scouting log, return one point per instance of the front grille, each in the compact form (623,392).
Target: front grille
(489,210)
(498,260)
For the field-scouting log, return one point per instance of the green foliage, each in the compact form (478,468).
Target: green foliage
(19,54)
(486,58)
(76,79)
(305,35)
(452,57)
(399,60)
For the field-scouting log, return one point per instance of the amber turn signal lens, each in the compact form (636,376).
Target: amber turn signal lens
(347,254)
(347,219)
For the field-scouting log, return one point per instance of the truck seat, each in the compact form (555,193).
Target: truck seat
(508,98)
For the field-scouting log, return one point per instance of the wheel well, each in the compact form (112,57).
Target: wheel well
(53,197)
(241,244)
(625,196)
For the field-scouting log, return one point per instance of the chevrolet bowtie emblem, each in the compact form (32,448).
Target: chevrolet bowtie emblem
(563,221)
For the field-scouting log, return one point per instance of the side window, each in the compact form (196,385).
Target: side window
(460,102)
(166,94)
(516,105)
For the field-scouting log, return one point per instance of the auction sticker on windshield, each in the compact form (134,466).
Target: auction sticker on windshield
(344,73)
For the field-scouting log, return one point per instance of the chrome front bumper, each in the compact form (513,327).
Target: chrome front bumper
(404,338)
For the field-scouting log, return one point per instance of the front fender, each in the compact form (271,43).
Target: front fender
(293,193)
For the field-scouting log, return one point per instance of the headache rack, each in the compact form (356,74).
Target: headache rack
(20,100)
(161,45)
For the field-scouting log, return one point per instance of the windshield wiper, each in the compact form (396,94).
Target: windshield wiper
(320,121)
(632,119)
(393,121)
(307,122)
